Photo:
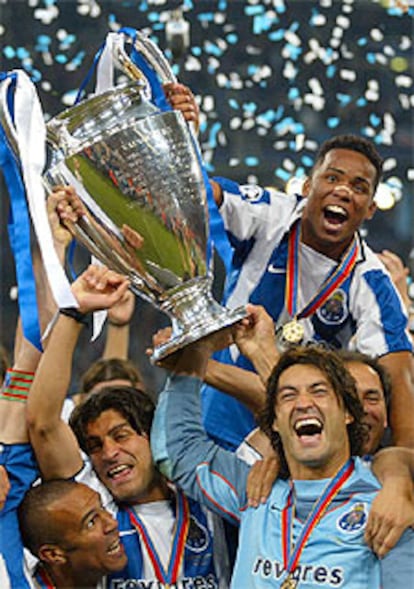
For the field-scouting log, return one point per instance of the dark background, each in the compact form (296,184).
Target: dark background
(254,112)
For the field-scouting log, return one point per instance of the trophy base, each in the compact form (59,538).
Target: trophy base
(178,342)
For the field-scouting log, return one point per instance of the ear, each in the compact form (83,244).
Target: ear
(52,554)
(306,186)
(275,427)
(348,418)
(371,210)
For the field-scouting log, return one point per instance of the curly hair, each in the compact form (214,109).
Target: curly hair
(342,383)
(354,143)
(135,405)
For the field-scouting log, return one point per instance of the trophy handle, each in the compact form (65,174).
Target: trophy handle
(149,50)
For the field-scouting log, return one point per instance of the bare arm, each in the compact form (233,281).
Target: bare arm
(392,511)
(255,338)
(243,385)
(117,331)
(217,192)
(54,443)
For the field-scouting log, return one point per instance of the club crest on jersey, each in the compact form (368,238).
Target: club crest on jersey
(253,193)
(198,536)
(335,309)
(354,519)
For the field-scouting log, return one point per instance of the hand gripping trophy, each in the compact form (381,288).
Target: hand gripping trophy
(138,173)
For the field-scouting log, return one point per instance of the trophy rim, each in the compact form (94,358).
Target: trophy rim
(228,318)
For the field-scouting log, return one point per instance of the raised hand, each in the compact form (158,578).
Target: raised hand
(99,288)
(181,98)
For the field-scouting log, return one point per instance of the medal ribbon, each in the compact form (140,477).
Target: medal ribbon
(168,577)
(291,557)
(339,274)
(43,579)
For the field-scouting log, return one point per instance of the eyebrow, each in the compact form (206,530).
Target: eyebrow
(87,515)
(339,171)
(290,387)
(111,431)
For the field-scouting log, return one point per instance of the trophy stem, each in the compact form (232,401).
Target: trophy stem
(194,314)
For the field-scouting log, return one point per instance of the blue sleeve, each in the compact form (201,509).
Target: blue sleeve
(397,567)
(207,473)
(19,461)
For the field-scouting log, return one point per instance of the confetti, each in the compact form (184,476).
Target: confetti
(273,78)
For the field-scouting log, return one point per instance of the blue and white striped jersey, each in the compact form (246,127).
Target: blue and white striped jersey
(366,311)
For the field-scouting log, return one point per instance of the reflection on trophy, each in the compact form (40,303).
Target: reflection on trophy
(137,172)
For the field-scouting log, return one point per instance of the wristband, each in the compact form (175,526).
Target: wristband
(16,385)
(75,314)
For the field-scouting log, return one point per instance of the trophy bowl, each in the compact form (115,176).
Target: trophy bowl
(138,173)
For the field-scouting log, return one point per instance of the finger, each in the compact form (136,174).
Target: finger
(386,540)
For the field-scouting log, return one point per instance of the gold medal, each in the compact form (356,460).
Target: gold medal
(293,332)
(289,583)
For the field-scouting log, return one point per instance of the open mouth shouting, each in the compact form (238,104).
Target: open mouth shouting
(308,429)
(335,216)
(119,473)
(116,548)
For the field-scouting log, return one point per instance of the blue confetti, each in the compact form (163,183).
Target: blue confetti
(254,10)
(232,38)
(307,161)
(212,49)
(9,52)
(374,120)
(250,107)
(283,174)
(330,71)
(293,93)
(206,17)
(343,99)
(22,53)
(251,161)
(60,58)
(212,139)
(333,122)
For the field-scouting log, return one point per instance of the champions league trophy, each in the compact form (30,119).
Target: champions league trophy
(138,174)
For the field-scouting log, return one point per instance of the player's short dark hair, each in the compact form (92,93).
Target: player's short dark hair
(36,520)
(354,143)
(135,405)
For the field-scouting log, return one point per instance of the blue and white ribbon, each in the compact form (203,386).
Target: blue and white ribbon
(23,123)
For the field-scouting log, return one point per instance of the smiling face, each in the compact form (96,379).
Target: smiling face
(311,421)
(339,198)
(371,394)
(89,534)
(122,459)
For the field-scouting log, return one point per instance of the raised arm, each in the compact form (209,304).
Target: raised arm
(180,446)
(118,328)
(53,441)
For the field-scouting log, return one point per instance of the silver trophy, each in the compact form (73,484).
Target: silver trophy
(137,171)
